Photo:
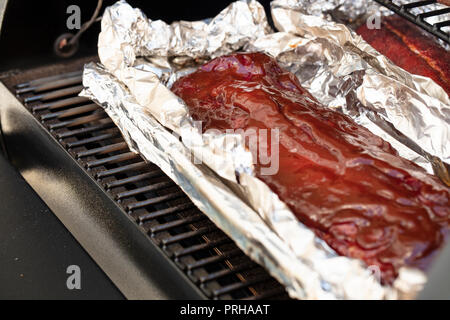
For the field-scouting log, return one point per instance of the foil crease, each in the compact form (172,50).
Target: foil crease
(156,144)
(132,35)
(355,12)
(330,61)
(364,84)
(303,278)
(314,276)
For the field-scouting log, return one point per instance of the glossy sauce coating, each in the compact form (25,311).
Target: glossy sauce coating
(339,179)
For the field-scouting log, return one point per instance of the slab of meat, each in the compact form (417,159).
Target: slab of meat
(410,48)
(446,2)
(345,183)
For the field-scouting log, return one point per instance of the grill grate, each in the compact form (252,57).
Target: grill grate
(404,10)
(159,207)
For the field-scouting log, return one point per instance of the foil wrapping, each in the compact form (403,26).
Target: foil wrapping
(353,77)
(142,58)
(144,134)
(353,12)
(304,264)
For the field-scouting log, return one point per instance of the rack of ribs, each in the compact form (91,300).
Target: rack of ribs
(345,183)
(410,48)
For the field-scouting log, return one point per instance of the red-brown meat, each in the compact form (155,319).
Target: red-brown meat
(339,179)
(410,48)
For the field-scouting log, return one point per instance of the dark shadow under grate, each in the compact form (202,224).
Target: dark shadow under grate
(160,209)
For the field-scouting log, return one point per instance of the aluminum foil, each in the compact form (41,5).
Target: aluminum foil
(311,17)
(309,271)
(127,34)
(355,12)
(364,84)
(330,62)
(156,144)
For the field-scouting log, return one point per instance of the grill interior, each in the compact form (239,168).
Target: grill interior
(440,29)
(159,208)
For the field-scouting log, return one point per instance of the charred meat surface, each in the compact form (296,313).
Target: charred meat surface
(410,48)
(339,179)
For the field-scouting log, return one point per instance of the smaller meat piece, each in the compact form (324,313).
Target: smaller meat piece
(410,48)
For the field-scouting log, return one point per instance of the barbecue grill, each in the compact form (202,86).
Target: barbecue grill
(138,226)
(196,255)
(438,29)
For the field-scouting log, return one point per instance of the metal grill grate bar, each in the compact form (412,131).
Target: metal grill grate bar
(70,112)
(77,121)
(419,19)
(59,104)
(434,13)
(442,24)
(51,85)
(235,286)
(213,259)
(103,150)
(187,235)
(177,223)
(112,160)
(82,142)
(160,213)
(55,94)
(153,201)
(226,272)
(153,187)
(417,4)
(199,247)
(48,79)
(119,170)
(88,129)
(146,194)
(133,179)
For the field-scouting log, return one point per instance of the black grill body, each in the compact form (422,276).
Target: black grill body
(141,229)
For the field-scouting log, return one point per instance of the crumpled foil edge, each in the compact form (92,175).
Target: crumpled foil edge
(415,105)
(120,54)
(154,142)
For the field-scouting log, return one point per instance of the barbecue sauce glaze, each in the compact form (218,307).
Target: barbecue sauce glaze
(345,183)
(410,48)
